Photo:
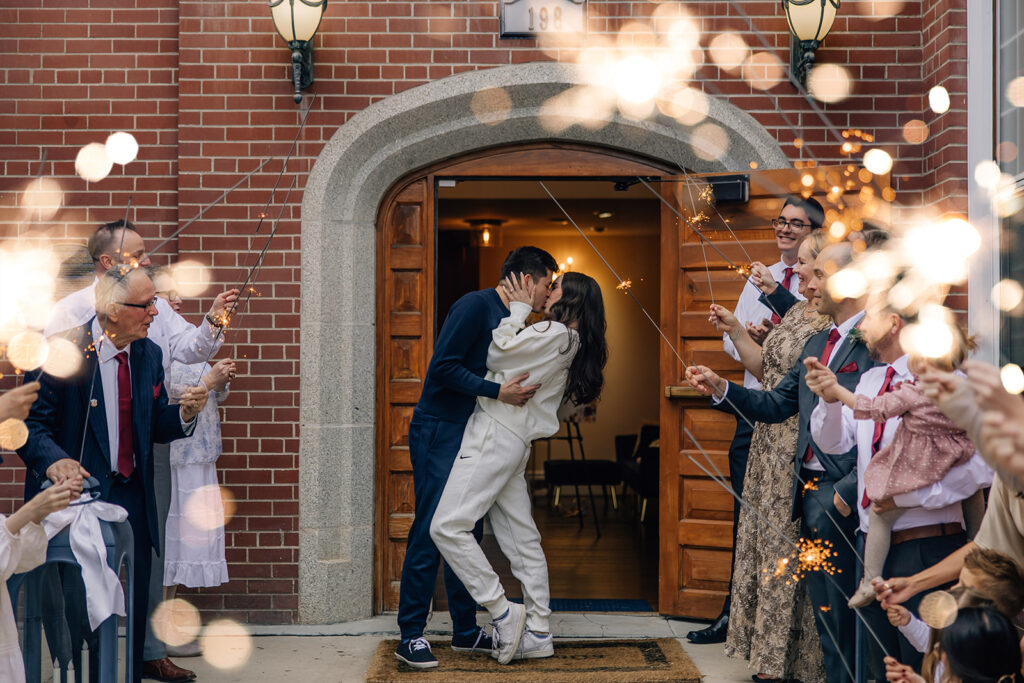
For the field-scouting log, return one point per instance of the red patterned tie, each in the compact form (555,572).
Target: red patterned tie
(125,445)
(787,278)
(830,345)
(876,439)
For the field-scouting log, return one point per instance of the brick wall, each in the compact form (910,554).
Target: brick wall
(204,87)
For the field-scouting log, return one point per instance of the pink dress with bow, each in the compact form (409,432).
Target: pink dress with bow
(925,447)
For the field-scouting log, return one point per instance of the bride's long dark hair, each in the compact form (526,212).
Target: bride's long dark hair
(581,302)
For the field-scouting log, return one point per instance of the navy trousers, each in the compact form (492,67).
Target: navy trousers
(835,623)
(131,496)
(433,445)
(739,451)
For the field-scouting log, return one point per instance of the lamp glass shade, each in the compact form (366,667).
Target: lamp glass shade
(811,19)
(297,19)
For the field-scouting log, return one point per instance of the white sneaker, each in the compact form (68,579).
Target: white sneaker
(533,646)
(508,632)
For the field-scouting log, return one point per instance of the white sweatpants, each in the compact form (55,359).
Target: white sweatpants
(488,478)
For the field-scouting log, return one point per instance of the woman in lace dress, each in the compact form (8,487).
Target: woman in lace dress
(771,623)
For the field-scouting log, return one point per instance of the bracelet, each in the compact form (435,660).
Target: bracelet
(214,322)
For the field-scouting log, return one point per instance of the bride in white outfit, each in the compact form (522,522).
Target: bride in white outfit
(566,355)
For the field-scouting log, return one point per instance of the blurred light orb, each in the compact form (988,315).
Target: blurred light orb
(915,131)
(877,161)
(122,148)
(848,283)
(829,83)
(880,9)
(27,350)
(13,434)
(939,251)
(193,278)
(1012,377)
(637,78)
(837,230)
(710,141)
(1015,92)
(763,70)
(807,180)
(92,163)
(43,195)
(938,99)
(987,174)
(690,106)
(933,339)
(1006,151)
(729,51)
(938,609)
(1007,294)
(226,644)
(204,508)
(176,622)
(491,106)
(64,358)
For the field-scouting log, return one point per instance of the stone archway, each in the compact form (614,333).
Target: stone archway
(363,159)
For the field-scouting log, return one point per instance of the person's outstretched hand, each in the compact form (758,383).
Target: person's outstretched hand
(762,277)
(987,384)
(894,591)
(222,304)
(704,380)
(820,380)
(900,673)
(724,321)
(18,401)
(760,332)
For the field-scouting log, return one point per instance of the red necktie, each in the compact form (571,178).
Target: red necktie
(876,439)
(833,337)
(786,279)
(125,445)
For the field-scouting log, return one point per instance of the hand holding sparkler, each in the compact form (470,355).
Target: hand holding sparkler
(821,380)
(941,387)
(518,289)
(724,321)
(704,380)
(43,503)
(1004,440)
(68,470)
(223,306)
(900,673)
(760,332)
(762,278)
(898,615)
(895,591)
(17,402)
(219,375)
(987,383)
(193,401)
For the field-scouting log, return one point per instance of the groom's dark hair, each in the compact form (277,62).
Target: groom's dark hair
(529,261)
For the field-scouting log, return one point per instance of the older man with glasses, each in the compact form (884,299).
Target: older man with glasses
(796,220)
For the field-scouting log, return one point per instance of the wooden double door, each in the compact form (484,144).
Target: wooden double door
(695,512)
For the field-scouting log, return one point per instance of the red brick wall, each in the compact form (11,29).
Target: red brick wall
(204,87)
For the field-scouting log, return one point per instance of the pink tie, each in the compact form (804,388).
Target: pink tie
(125,445)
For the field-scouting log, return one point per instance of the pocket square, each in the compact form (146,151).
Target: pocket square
(156,389)
(849,367)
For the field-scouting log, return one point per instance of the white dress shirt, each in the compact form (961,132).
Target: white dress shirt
(750,310)
(105,354)
(177,338)
(835,430)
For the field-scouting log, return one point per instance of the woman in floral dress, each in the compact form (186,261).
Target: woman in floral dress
(771,623)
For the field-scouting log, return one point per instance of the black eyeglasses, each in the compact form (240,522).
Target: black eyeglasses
(142,306)
(779,223)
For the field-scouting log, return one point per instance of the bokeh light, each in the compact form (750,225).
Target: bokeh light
(728,51)
(931,339)
(64,358)
(938,99)
(226,644)
(92,163)
(27,350)
(1006,151)
(763,70)
(122,148)
(938,609)
(915,131)
(1015,92)
(710,141)
(176,622)
(829,83)
(1007,294)
(848,283)
(193,278)
(939,251)
(1012,377)
(491,106)
(877,161)
(28,274)
(637,79)
(42,198)
(13,434)
(879,9)
(210,507)
(987,174)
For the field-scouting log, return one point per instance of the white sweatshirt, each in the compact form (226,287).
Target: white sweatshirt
(545,350)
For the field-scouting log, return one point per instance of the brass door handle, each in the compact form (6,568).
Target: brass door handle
(682,391)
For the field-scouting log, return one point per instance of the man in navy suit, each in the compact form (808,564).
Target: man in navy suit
(105,418)
(824,508)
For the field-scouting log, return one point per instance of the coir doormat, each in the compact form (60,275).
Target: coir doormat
(575,661)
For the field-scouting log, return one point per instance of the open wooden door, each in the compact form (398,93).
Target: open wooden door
(695,512)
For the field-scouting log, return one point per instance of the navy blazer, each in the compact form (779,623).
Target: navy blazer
(791,397)
(56,423)
(780,301)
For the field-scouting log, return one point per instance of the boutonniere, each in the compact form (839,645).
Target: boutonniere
(856,336)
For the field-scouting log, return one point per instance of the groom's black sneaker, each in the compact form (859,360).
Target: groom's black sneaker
(479,641)
(416,653)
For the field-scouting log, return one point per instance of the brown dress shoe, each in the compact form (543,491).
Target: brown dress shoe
(166,670)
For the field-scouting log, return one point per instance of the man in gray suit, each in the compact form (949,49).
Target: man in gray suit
(825,507)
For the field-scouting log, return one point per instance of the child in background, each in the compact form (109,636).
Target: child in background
(23,548)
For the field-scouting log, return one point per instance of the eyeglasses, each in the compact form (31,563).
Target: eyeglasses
(780,223)
(145,306)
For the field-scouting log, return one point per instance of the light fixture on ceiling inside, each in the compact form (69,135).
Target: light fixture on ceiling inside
(604,214)
(487,230)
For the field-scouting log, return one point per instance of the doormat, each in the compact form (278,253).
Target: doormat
(575,661)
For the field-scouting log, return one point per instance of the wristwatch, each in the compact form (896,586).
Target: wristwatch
(214,322)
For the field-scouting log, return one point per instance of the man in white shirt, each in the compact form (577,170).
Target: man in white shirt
(114,244)
(932,525)
(796,220)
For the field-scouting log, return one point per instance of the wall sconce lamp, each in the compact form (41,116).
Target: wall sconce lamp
(809,23)
(297,22)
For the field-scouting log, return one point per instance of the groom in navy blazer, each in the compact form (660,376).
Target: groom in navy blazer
(826,507)
(75,426)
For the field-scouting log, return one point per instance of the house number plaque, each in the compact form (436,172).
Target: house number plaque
(531,18)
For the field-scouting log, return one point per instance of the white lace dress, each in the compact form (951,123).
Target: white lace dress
(18,554)
(194,552)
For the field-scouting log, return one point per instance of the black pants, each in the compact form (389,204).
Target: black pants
(904,559)
(739,451)
(131,496)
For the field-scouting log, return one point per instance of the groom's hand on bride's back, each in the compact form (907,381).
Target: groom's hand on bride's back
(514,393)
